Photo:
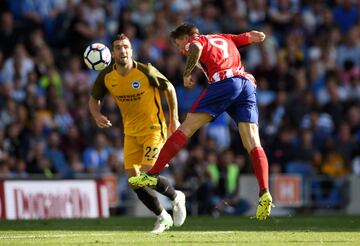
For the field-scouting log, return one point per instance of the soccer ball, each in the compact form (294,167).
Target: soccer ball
(97,56)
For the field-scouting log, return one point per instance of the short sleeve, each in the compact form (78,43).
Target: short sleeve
(195,40)
(240,39)
(159,81)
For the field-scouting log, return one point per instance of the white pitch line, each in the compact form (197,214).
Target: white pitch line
(210,232)
(50,235)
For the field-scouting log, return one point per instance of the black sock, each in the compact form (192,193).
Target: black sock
(148,197)
(164,187)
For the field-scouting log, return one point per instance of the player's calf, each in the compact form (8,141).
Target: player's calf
(149,199)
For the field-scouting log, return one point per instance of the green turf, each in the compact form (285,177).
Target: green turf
(311,230)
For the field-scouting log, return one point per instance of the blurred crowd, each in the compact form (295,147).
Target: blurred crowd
(307,71)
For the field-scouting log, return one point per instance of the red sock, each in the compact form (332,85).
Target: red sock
(172,146)
(261,167)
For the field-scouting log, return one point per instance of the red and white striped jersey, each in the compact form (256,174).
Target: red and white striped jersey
(220,58)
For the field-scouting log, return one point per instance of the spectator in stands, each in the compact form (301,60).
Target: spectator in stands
(281,14)
(9,34)
(8,113)
(43,114)
(195,178)
(55,155)
(79,32)
(4,169)
(283,150)
(95,157)
(225,177)
(75,79)
(345,144)
(19,64)
(62,117)
(19,170)
(142,14)
(37,163)
(350,49)
(219,131)
(72,141)
(353,119)
(76,166)
(345,15)
(3,147)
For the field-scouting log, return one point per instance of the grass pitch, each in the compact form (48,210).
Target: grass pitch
(320,230)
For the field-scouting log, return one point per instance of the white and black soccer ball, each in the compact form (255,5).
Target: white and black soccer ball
(97,56)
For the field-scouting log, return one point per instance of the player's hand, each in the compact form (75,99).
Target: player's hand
(189,82)
(256,37)
(173,125)
(102,121)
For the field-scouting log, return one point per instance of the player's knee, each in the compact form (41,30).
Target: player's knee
(250,150)
(251,142)
(187,130)
(252,145)
(247,145)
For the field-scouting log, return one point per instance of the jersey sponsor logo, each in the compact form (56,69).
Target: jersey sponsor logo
(135,84)
(131,97)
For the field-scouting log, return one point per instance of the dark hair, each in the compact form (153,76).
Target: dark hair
(184,29)
(120,36)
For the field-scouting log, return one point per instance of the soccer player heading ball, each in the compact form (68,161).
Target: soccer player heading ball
(230,89)
(135,88)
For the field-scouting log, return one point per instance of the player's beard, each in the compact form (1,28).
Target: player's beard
(122,62)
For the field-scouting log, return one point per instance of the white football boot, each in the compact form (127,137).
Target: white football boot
(179,209)
(163,222)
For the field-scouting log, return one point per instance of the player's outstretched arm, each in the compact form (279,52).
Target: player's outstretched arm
(101,120)
(246,38)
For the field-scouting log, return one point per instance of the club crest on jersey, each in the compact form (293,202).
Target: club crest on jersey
(135,84)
